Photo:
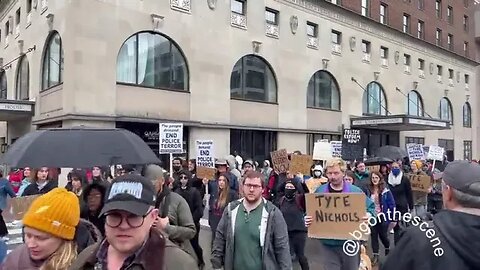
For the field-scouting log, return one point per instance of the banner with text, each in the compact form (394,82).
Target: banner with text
(205,159)
(171,138)
(336,148)
(415,151)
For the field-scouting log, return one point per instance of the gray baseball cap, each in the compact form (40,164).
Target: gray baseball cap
(460,174)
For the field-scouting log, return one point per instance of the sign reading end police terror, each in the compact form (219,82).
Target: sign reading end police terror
(335,215)
(171,138)
(205,154)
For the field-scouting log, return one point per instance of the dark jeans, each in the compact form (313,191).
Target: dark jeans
(379,231)
(297,242)
(196,245)
(3,226)
(434,206)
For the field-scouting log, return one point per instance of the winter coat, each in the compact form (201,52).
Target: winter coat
(387,204)
(23,186)
(85,213)
(5,191)
(419,198)
(402,194)
(273,239)
(456,238)
(32,189)
(150,257)
(194,200)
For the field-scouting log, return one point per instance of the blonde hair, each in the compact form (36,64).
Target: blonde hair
(62,258)
(336,162)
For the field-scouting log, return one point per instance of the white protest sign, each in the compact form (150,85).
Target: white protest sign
(415,151)
(435,152)
(336,148)
(205,153)
(322,150)
(171,138)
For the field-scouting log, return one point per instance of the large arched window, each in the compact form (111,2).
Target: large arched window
(3,85)
(23,79)
(414,104)
(374,101)
(467,115)
(152,60)
(253,79)
(445,111)
(323,91)
(52,71)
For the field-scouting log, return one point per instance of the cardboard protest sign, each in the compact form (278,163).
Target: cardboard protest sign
(420,182)
(335,215)
(205,173)
(415,151)
(314,183)
(301,163)
(280,161)
(322,150)
(20,205)
(374,168)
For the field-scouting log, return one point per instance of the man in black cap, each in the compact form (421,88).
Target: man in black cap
(130,241)
(453,242)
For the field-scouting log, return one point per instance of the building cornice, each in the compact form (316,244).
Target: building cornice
(368,26)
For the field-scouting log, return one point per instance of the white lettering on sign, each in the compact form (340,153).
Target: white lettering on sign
(16,107)
(132,188)
(171,138)
(352,135)
(205,153)
(377,121)
(427,122)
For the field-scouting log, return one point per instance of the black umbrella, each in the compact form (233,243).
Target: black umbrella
(378,161)
(391,152)
(79,147)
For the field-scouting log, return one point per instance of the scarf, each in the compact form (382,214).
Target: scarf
(395,180)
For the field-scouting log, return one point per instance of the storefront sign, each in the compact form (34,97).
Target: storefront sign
(15,107)
(427,122)
(383,121)
(171,138)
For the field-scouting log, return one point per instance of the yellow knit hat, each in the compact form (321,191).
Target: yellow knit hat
(419,164)
(56,212)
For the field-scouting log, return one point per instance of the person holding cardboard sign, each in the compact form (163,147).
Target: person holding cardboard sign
(331,250)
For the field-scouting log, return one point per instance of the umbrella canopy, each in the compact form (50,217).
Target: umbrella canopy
(391,152)
(378,161)
(80,147)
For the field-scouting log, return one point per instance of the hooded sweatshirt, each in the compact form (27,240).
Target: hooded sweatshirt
(457,238)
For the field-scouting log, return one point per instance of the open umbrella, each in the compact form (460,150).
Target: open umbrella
(79,147)
(391,152)
(377,161)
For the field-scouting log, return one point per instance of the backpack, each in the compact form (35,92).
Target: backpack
(298,202)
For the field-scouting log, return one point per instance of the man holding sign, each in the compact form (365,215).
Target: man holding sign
(333,252)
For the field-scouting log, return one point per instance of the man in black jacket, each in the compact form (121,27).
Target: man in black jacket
(453,242)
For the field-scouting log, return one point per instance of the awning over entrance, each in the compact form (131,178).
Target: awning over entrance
(11,110)
(399,123)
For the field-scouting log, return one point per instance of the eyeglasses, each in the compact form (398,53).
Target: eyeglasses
(183,177)
(115,219)
(253,186)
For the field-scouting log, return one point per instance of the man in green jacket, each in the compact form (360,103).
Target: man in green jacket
(130,240)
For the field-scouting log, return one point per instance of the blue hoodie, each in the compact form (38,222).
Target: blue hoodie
(5,190)
(347,187)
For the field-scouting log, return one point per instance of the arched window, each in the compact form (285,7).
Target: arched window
(52,71)
(3,85)
(445,111)
(153,60)
(253,79)
(323,91)
(467,115)
(414,104)
(374,101)
(23,79)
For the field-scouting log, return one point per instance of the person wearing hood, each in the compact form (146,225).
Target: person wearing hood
(401,189)
(266,170)
(292,206)
(232,165)
(194,200)
(248,166)
(453,240)
(317,179)
(93,200)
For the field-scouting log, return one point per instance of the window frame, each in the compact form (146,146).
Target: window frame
(333,82)
(467,115)
(438,37)
(421,29)
(418,103)
(365,8)
(438,9)
(19,79)
(448,109)
(244,8)
(383,17)
(382,103)
(450,15)
(314,26)
(421,64)
(383,52)
(450,42)
(421,5)
(47,55)
(3,91)
(467,150)
(406,23)
(465,23)
(275,14)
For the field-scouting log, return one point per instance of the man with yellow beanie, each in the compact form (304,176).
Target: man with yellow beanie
(50,224)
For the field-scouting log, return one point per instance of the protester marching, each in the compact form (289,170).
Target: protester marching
(143,216)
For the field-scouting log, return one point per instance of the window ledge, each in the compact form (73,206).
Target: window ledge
(256,101)
(52,88)
(324,109)
(152,87)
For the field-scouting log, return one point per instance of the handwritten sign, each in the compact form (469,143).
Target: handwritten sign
(322,150)
(171,138)
(420,182)
(374,168)
(20,205)
(280,161)
(301,163)
(335,215)
(352,144)
(205,153)
(415,151)
(206,172)
(314,183)
(435,152)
